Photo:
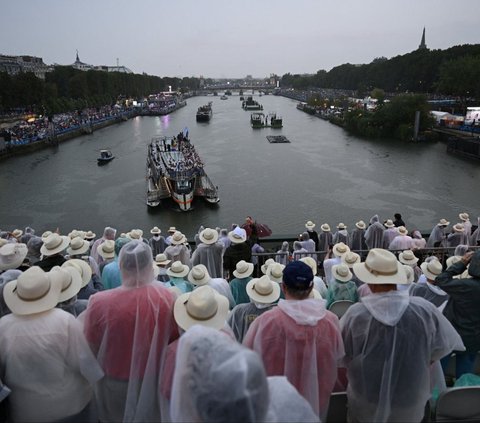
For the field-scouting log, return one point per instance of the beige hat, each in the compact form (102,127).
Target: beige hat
(172,229)
(265,266)
(12,255)
(341,225)
(389,223)
(458,227)
(83,268)
(54,244)
(178,270)
(155,230)
(402,230)
(360,224)
(161,260)
(78,246)
(310,262)
(431,269)
(325,227)
(263,290)
(350,258)
(106,249)
(443,222)
(310,225)
(409,272)
(464,216)
(209,236)
(407,257)
(203,306)
(135,234)
(275,272)
(243,269)
(178,238)
(46,234)
(33,292)
(89,235)
(17,233)
(71,282)
(341,272)
(199,275)
(3,242)
(340,249)
(315,294)
(380,267)
(452,260)
(76,233)
(238,235)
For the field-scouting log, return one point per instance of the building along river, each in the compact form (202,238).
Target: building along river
(323,174)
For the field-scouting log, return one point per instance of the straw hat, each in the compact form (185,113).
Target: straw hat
(407,257)
(78,246)
(350,258)
(199,275)
(389,223)
(83,268)
(89,235)
(34,291)
(71,282)
(178,270)
(209,236)
(161,260)
(12,255)
(243,269)
(402,230)
(380,267)
(458,227)
(341,226)
(54,244)
(106,249)
(46,234)
(464,216)
(431,269)
(340,249)
(238,235)
(155,230)
(178,238)
(135,234)
(341,272)
(310,262)
(452,260)
(17,233)
(310,225)
(275,272)
(443,222)
(360,224)
(3,241)
(263,290)
(203,306)
(265,266)
(325,227)
(314,294)
(76,233)
(172,229)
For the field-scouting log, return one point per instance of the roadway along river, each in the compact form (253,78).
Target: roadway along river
(323,175)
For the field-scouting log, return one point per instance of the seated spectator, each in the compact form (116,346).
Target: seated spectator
(342,286)
(243,275)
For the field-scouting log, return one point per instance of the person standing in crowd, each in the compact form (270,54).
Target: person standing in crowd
(108,233)
(52,251)
(283,255)
(378,333)
(341,235)
(177,249)
(325,241)
(357,237)
(209,253)
(402,241)
(398,220)
(238,285)
(312,233)
(429,290)
(374,233)
(307,243)
(238,250)
(438,234)
(457,236)
(157,241)
(467,225)
(389,233)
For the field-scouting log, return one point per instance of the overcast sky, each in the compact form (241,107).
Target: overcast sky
(230,38)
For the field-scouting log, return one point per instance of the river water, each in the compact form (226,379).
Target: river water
(324,175)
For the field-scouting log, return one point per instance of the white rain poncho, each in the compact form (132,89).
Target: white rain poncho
(218,380)
(437,237)
(46,362)
(341,236)
(357,240)
(301,340)
(431,293)
(327,268)
(389,235)
(283,254)
(128,329)
(211,256)
(475,238)
(223,288)
(178,253)
(390,341)
(108,233)
(401,242)
(307,243)
(457,238)
(374,233)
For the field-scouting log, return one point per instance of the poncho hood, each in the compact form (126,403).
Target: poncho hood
(387,308)
(304,312)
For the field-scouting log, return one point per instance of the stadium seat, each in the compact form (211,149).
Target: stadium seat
(340,307)
(459,404)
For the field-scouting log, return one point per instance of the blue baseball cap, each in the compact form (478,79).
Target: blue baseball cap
(298,275)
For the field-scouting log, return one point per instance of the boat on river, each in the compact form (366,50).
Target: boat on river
(105,157)
(260,120)
(175,170)
(251,104)
(204,113)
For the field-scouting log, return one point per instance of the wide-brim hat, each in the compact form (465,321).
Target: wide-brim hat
(380,267)
(12,255)
(407,257)
(135,234)
(238,235)
(340,249)
(172,229)
(341,226)
(310,261)
(264,266)
(310,225)
(199,275)
(17,233)
(452,260)
(78,246)
(325,227)
(178,238)
(76,233)
(314,294)
(443,222)
(161,260)
(54,244)
(71,282)
(275,272)
(178,270)
(106,249)
(341,272)
(83,267)
(203,306)
(402,230)
(263,290)
(155,230)
(464,216)
(45,235)
(89,235)
(431,269)
(389,223)
(360,224)
(351,258)
(458,227)
(209,236)
(34,291)
(243,269)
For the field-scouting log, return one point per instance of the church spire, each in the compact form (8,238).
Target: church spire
(422,45)
(78,60)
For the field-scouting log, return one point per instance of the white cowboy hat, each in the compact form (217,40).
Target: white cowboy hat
(199,275)
(264,266)
(315,295)
(12,255)
(33,291)
(135,234)
(78,246)
(360,224)
(71,282)
(54,244)
(172,229)
(464,216)
(178,270)
(389,223)
(243,269)
(380,267)
(209,236)
(238,235)
(203,306)
(458,227)
(341,272)
(178,238)
(402,230)
(83,267)
(310,262)
(275,272)
(351,258)
(452,260)
(341,226)
(340,249)
(46,234)
(310,225)
(89,235)
(431,269)
(325,227)
(17,233)
(161,260)
(76,233)
(263,290)
(155,230)
(443,222)
(106,249)
(407,257)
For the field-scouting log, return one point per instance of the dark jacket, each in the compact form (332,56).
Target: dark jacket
(234,254)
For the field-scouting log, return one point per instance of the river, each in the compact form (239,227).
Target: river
(324,175)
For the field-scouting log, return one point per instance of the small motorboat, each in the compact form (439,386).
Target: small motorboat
(105,157)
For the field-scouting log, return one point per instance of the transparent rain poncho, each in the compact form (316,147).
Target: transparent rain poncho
(128,329)
(391,340)
(218,380)
(211,256)
(374,233)
(475,238)
(108,233)
(357,240)
(437,237)
(178,253)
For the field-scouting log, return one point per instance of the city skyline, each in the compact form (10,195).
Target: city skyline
(218,39)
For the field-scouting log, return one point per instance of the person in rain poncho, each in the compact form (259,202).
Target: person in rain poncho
(402,241)
(44,358)
(157,241)
(357,237)
(418,241)
(409,258)
(111,275)
(162,263)
(224,239)
(299,251)
(199,276)
(300,339)
(238,250)
(341,235)
(334,257)
(218,380)
(108,233)
(389,233)
(429,290)
(7,276)
(312,233)
(465,218)
(307,243)
(238,285)
(34,244)
(177,250)
(475,238)
(209,253)
(128,329)
(342,287)
(458,236)
(176,274)
(389,374)
(438,234)
(374,233)
(325,240)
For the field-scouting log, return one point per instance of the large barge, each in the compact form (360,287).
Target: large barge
(175,170)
